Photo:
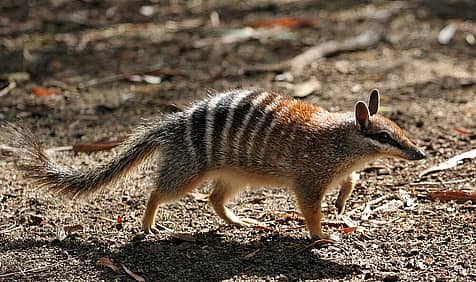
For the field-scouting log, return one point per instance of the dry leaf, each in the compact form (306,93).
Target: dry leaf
(42,91)
(454,161)
(459,196)
(284,22)
(107,262)
(100,145)
(133,275)
(428,260)
(346,230)
(462,131)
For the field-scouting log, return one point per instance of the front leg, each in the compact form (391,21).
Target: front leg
(309,199)
(346,187)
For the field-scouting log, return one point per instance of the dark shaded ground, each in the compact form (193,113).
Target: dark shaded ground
(428,88)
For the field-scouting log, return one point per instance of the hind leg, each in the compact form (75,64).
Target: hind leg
(222,192)
(165,194)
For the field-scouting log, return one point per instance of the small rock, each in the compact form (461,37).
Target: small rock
(446,34)
(147,11)
(470,39)
(356,88)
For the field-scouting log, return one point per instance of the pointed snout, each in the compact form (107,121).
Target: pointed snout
(415,154)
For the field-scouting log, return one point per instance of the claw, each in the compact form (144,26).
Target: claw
(325,236)
(151,230)
(247,222)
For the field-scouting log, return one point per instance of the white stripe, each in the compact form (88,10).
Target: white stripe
(209,126)
(267,110)
(271,127)
(188,131)
(254,105)
(224,146)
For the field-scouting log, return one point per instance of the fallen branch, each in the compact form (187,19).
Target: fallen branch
(369,203)
(367,39)
(454,161)
(438,183)
(154,69)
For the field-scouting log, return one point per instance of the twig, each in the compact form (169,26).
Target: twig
(362,41)
(370,203)
(365,40)
(439,183)
(10,229)
(102,80)
(58,149)
(114,77)
(452,162)
(8,149)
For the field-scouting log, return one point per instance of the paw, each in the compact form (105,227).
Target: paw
(150,230)
(321,235)
(325,236)
(340,205)
(246,222)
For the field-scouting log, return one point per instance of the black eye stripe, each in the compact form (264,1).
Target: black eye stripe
(390,140)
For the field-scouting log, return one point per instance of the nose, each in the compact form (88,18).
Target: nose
(417,154)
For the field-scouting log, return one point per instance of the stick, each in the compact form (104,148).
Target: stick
(367,39)
(362,41)
(439,183)
(114,77)
(370,203)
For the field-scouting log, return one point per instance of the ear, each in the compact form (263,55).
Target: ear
(374,102)
(362,115)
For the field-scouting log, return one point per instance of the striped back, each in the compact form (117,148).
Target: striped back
(236,127)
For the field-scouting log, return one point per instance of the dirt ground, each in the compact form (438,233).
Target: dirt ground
(80,55)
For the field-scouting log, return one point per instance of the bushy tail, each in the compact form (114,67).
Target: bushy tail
(46,173)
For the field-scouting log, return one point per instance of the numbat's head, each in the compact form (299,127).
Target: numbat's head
(381,134)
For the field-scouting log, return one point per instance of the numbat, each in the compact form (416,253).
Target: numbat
(238,139)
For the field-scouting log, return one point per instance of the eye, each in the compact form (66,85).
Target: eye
(383,137)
